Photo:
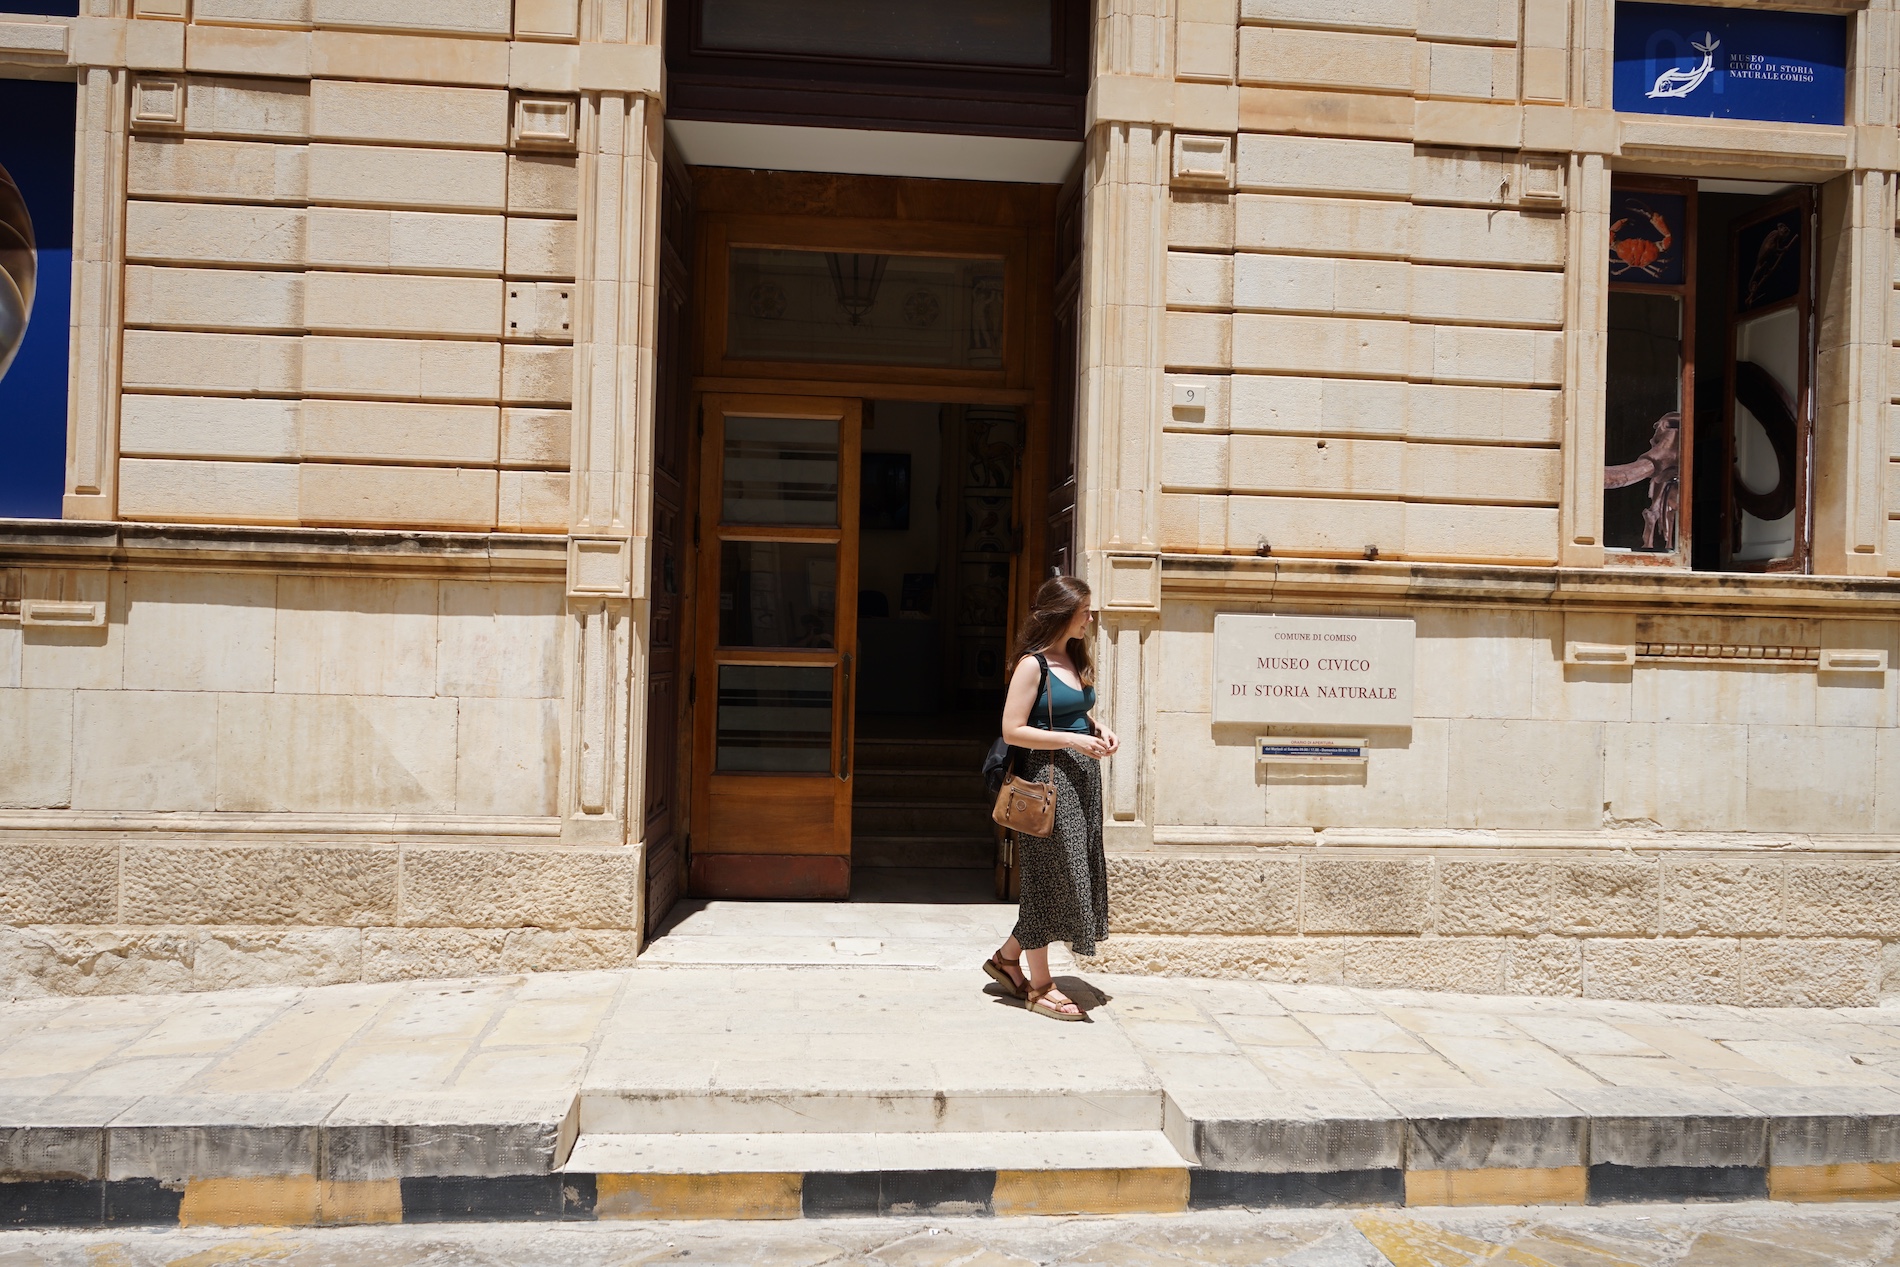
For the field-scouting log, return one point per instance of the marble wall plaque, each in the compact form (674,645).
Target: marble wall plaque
(1312,670)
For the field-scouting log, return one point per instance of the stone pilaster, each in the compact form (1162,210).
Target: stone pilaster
(92,405)
(1852,381)
(1586,352)
(612,457)
(1123,356)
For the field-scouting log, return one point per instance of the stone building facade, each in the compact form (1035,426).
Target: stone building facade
(341,663)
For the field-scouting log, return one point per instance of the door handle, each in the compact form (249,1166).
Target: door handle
(844,750)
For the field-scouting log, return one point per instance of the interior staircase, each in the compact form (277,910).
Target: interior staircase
(919,803)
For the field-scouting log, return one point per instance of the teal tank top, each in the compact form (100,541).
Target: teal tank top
(1071,706)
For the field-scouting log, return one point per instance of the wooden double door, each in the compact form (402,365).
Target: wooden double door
(777,585)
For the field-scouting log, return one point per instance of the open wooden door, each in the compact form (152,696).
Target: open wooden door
(1769,427)
(777,630)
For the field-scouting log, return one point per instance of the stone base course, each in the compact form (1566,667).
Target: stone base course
(146,915)
(63,959)
(1799,930)
(1808,929)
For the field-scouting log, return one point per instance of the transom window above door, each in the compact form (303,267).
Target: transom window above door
(848,307)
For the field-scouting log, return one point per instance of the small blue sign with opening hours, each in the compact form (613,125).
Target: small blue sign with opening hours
(1712,63)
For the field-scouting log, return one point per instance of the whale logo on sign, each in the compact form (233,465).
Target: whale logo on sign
(1680,83)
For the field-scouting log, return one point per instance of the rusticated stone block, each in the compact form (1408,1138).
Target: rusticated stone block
(396,954)
(1470,964)
(1843,899)
(569,950)
(1158,894)
(1545,965)
(547,887)
(350,885)
(1889,971)
(1492,897)
(42,883)
(1722,898)
(1298,960)
(233,958)
(1810,972)
(1366,895)
(45,959)
(1667,970)
(1597,898)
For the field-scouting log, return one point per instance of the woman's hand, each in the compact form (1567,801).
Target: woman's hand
(1089,745)
(1111,739)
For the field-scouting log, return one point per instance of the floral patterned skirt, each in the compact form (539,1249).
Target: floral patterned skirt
(1064,876)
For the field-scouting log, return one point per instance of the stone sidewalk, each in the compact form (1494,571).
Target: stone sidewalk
(1745,1234)
(722,1091)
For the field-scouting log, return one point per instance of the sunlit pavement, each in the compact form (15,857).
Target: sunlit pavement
(1750,1235)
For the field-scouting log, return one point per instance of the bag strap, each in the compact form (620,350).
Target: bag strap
(1047,690)
(1009,766)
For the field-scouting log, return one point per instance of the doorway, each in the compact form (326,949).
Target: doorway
(871,398)
(936,550)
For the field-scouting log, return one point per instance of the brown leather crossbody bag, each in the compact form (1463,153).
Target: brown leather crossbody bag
(1023,806)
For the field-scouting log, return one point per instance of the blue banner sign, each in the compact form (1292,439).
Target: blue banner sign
(1711,63)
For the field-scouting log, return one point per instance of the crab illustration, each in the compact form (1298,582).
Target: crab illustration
(1630,253)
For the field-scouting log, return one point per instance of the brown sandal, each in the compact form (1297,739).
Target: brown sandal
(1035,998)
(1002,976)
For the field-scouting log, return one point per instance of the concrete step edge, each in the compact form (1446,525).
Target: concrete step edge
(845,1153)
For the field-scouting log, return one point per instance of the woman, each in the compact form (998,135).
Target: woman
(1064,878)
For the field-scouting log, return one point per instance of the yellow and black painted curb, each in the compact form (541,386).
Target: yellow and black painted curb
(305,1200)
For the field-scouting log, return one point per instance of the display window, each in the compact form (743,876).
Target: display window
(1709,406)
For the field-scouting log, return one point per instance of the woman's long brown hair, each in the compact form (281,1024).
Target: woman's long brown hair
(1054,607)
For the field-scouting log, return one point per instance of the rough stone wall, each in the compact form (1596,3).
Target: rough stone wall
(349,286)
(141,914)
(1674,925)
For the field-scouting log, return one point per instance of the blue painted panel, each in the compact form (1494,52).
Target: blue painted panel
(1711,63)
(36,258)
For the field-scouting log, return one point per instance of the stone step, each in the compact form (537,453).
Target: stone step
(919,818)
(920,754)
(921,785)
(876,1106)
(955,852)
(808,1151)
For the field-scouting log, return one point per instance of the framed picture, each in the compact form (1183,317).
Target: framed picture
(884,493)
